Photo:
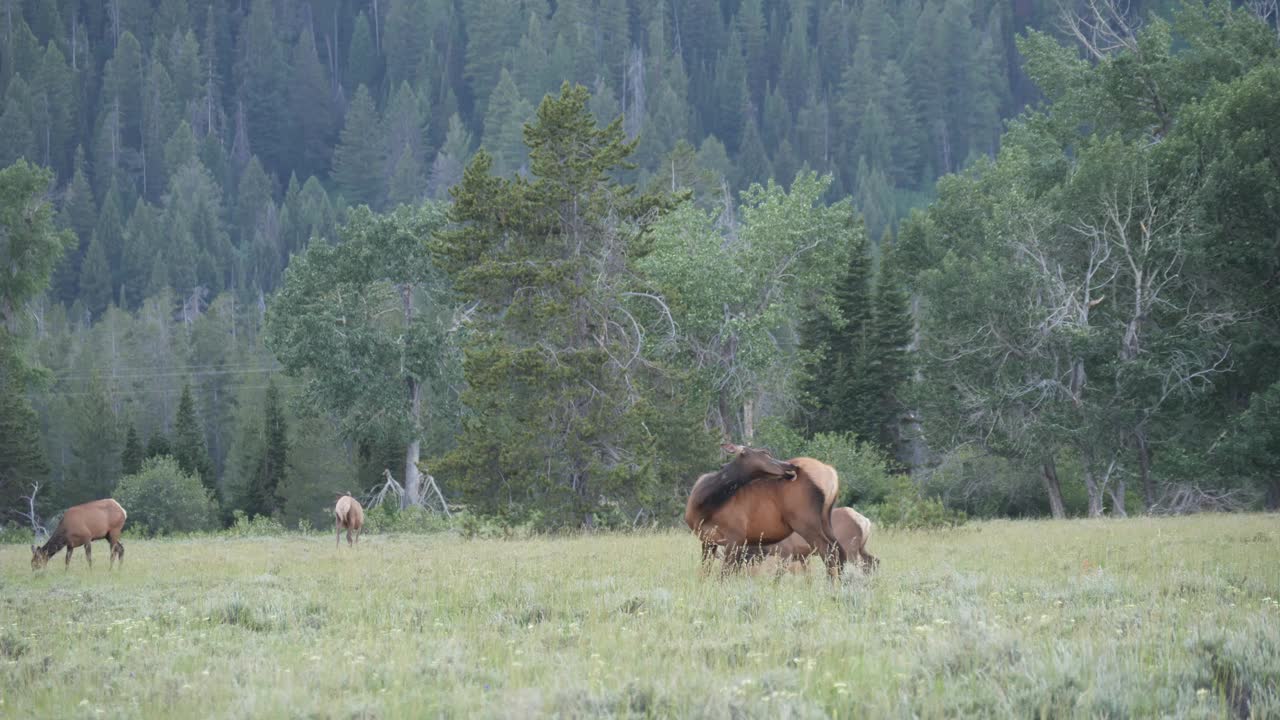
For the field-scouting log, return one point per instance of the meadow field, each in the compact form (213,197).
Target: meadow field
(1176,617)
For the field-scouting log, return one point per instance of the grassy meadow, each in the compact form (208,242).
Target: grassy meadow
(1174,617)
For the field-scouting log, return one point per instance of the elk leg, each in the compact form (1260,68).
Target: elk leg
(358,531)
(814,534)
(88,553)
(67,565)
(337,539)
(348,537)
(117,551)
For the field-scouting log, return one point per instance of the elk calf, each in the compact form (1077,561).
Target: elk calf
(81,525)
(348,515)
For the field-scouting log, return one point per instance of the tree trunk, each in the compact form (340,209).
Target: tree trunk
(1144,469)
(411,479)
(1117,499)
(748,420)
(1049,474)
(1092,487)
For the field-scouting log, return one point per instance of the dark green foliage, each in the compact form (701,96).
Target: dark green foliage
(22,455)
(158,445)
(270,472)
(532,361)
(132,455)
(30,247)
(189,447)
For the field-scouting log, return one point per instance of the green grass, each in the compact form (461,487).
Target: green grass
(1134,618)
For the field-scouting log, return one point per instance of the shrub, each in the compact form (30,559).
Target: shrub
(259,525)
(905,507)
(386,518)
(163,499)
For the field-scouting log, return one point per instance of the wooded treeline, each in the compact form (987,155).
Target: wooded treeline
(1088,309)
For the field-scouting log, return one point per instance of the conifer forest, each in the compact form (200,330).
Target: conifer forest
(535,260)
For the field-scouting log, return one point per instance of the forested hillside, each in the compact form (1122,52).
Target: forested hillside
(196,150)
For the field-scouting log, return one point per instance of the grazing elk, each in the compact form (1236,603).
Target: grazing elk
(757,500)
(347,515)
(81,525)
(852,530)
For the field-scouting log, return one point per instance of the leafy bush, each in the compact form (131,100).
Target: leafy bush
(905,507)
(386,518)
(259,525)
(163,499)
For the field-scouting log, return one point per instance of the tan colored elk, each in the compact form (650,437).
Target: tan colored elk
(852,530)
(757,500)
(81,525)
(347,515)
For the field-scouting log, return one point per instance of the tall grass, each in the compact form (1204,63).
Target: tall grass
(1136,618)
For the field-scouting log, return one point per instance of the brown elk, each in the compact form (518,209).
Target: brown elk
(757,500)
(81,525)
(347,515)
(852,530)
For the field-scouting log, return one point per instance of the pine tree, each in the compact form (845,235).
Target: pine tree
(254,196)
(559,226)
(363,61)
(181,148)
(357,160)
(454,155)
(890,334)
(504,124)
(56,95)
(408,184)
(489,34)
(22,450)
(160,117)
(17,140)
(272,466)
(849,402)
(79,214)
(95,465)
(142,246)
(109,230)
(753,161)
(261,72)
(132,456)
(158,445)
(122,86)
(314,124)
(95,278)
(405,131)
(189,447)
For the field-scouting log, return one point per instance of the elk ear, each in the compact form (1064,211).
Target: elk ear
(731,448)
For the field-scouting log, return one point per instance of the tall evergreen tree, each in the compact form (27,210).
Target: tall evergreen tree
(504,126)
(271,471)
(888,366)
(132,456)
(17,138)
(566,224)
(189,447)
(313,126)
(358,159)
(23,462)
(263,87)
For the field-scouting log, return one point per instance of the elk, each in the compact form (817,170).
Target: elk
(81,525)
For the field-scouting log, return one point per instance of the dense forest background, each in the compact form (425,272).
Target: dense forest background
(195,151)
